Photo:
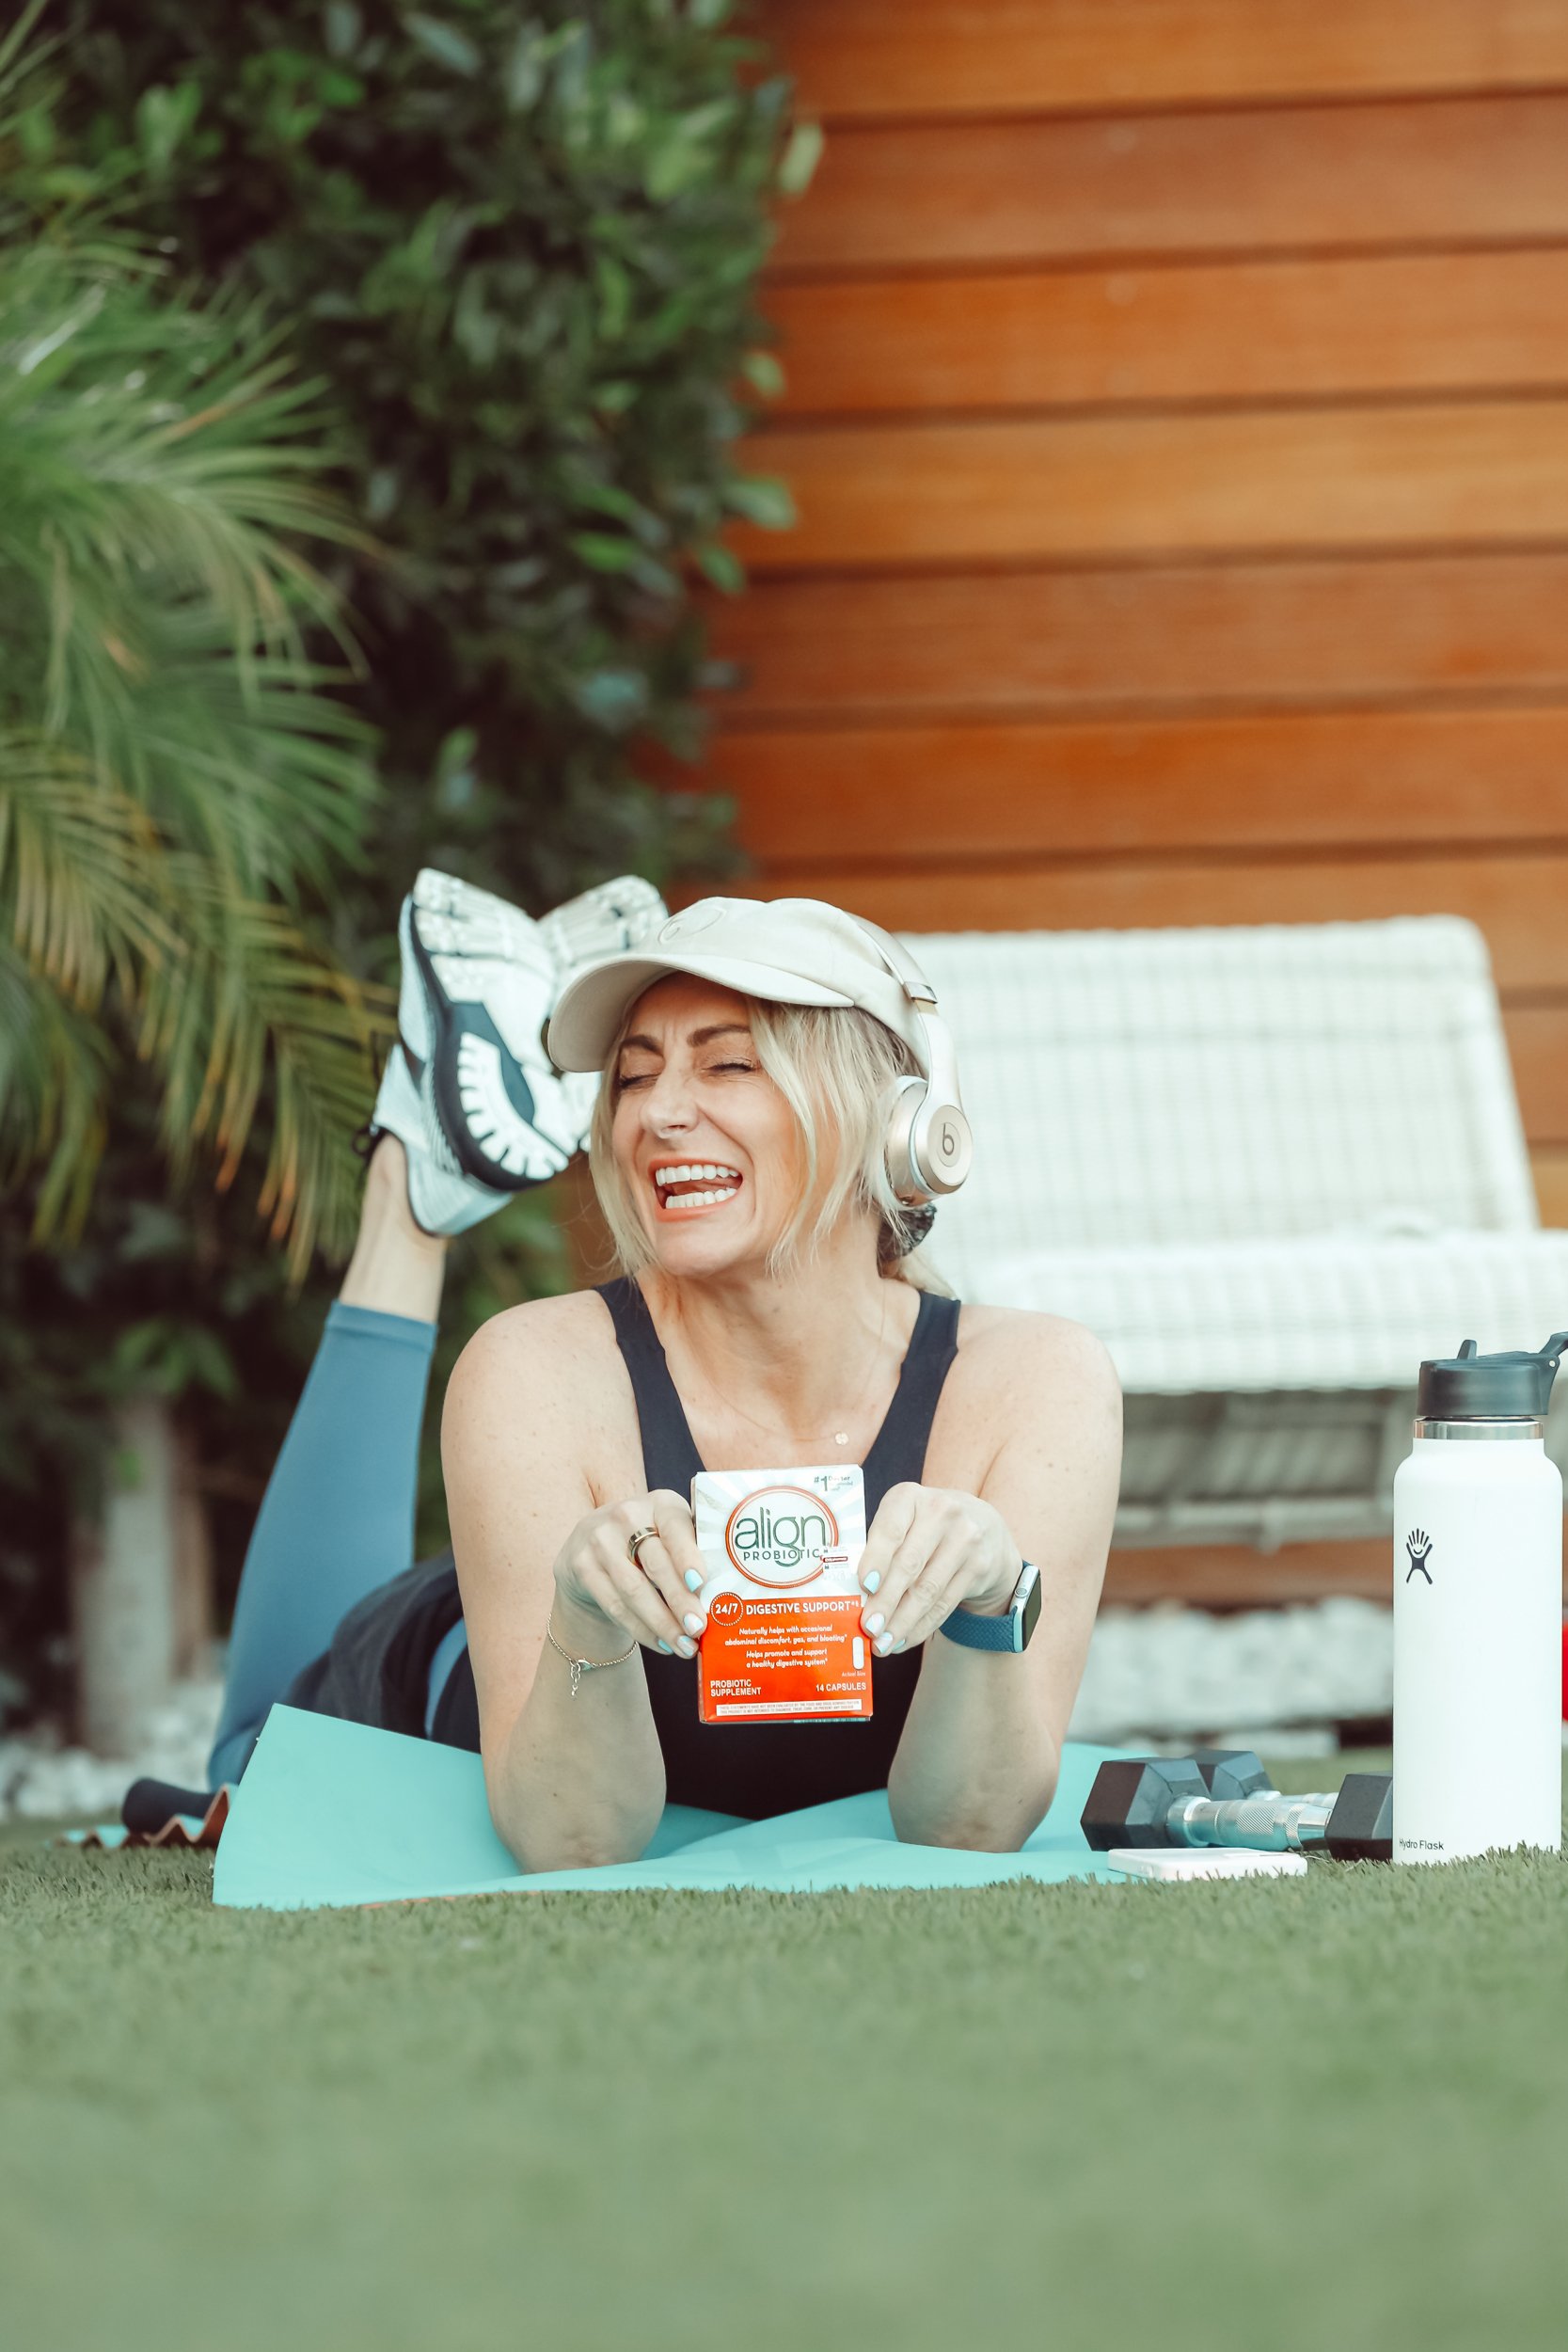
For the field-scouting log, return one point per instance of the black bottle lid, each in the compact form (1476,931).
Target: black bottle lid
(1512,1387)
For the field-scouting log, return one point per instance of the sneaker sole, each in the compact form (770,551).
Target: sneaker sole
(467,1076)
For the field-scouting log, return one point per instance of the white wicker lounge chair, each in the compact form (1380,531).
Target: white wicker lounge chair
(1273,1168)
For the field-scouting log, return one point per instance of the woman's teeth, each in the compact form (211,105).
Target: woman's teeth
(697,1183)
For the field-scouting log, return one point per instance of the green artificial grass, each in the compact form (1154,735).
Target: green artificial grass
(1330,2112)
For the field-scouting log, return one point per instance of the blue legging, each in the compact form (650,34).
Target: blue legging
(337,1519)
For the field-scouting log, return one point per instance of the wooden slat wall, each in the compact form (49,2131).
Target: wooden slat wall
(1045,340)
(1359,177)
(1178,418)
(867,60)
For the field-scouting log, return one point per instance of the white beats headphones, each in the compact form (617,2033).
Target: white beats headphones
(931,1149)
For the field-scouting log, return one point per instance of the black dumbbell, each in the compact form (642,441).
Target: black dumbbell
(1225,1798)
(1233,1772)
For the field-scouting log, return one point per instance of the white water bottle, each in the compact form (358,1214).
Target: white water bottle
(1477,1612)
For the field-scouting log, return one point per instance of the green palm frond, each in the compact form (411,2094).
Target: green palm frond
(176,778)
(81,910)
(256,1005)
(56,1069)
(263,767)
(19,55)
(79,871)
(145,445)
(223,993)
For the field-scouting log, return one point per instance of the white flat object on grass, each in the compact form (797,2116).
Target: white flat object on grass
(1205,1862)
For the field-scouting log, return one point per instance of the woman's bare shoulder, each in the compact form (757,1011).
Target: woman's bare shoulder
(999,1345)
(542,1393)
(559,1347)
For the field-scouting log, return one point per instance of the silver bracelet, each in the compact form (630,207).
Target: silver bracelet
(581,1666)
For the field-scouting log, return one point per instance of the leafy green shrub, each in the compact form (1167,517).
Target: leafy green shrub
(520,243)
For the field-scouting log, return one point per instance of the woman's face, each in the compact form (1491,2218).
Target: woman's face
(706,1143)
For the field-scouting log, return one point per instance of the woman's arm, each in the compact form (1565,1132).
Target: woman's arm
(577,1781)
(976,1765)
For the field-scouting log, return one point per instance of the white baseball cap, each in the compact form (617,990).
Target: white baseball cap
(786,951)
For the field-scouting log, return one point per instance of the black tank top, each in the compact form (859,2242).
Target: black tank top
(751,1769)
(762,1769)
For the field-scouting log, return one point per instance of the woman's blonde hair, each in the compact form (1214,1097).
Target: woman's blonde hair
(838,1069)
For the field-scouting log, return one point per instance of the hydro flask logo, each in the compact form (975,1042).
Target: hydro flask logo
(1417,1544)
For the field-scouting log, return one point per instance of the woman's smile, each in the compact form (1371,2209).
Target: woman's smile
(688,1188)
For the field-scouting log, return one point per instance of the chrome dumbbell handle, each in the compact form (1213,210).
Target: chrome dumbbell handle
(1273,1824)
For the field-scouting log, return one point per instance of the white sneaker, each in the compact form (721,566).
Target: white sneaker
(468,1090)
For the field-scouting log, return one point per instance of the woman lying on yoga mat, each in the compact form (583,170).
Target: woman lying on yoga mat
(761,1064)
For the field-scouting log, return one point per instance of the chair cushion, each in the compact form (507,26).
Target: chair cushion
(1201,1086)
(1317,1312)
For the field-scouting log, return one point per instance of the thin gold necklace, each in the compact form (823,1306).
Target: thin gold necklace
(840,1437)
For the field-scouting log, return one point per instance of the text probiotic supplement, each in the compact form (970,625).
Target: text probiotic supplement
(784,1603)
(1477,1612)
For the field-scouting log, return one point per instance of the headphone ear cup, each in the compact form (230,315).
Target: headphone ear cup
(909,1095)
(929,1146)
(931,1149)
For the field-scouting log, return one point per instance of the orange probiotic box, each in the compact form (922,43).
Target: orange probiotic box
(783,1635)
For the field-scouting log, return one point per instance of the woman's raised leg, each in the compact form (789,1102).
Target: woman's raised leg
(469,1111)
(338,1517)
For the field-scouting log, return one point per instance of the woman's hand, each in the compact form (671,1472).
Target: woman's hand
(930,1551)
(602,1590)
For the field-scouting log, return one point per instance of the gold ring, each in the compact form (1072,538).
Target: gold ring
(635,1541)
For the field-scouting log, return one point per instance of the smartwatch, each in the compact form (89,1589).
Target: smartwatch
(1011,1630)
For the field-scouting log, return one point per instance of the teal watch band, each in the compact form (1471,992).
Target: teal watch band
(1011,1630)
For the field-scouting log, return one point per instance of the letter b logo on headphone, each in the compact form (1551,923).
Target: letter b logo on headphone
(944,1144)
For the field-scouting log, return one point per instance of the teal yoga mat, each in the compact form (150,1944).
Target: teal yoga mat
(333,1813)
